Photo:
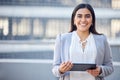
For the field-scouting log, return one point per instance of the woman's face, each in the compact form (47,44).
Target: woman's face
(83,20)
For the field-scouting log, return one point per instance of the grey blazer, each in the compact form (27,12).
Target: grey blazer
(103,58)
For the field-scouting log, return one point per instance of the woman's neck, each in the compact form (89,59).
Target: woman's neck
(83,35)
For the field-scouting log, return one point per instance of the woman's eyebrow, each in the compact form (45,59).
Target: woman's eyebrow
(87,14)
(84,14)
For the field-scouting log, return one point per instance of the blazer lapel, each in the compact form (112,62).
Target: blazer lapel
(96,43)
(98,47)
(66,48)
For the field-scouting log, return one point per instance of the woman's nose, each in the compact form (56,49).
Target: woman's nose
(83,19)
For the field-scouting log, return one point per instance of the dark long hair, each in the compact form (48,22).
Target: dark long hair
(89,7)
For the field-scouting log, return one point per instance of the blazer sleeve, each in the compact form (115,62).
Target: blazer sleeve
(107,66)
(57,57)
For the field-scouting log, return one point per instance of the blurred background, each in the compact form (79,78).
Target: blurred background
(28,29)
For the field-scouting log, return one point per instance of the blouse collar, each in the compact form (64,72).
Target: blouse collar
(78,38)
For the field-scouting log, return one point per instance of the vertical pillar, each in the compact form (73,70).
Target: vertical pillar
(10,28)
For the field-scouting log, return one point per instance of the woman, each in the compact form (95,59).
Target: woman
(83,44)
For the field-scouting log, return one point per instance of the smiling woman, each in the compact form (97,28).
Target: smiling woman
(82,45)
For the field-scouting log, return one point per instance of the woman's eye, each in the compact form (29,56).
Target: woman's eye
(88,16)
(79,16)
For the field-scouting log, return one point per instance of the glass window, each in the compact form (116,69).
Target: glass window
(115,27)
(103,26)
(56,26)
(21,27)
(116,4)
(4,26)
(14,27)
(37,28)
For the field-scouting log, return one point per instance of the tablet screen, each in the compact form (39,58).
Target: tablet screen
(82,67)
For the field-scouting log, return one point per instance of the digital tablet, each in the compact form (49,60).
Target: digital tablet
(82,67)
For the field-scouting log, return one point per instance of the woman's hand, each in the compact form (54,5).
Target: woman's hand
(65,66)
(95,72)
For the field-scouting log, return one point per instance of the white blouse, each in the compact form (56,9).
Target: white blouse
(78,55)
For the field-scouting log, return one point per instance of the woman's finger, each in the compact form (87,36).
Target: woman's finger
(68,65)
